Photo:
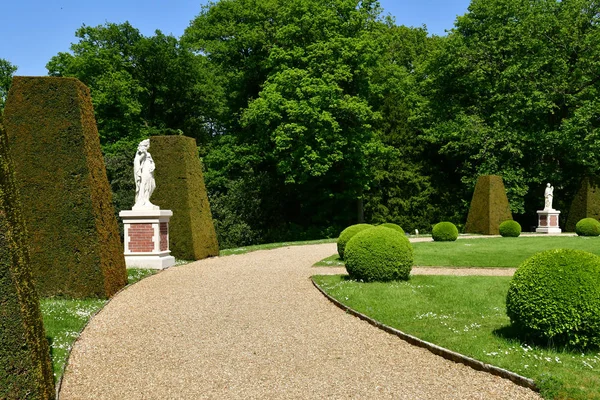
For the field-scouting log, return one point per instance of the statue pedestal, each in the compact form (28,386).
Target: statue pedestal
(147,238)
(548,221)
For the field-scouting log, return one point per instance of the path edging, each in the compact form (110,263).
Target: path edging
(435,349)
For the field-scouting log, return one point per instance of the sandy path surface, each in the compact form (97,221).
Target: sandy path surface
(252,326)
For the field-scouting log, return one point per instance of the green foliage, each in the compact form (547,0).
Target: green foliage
(7,71)
(25,369)
(141,85)
(554,297)
(379,254)
(510,228)
(489,206)
(180,188)
(72,232)
(298,113)
(444,232)
(586,203)
(393,226)
(347,234)
(513,89)
(588,227)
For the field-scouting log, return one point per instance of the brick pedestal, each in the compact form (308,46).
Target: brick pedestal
(548,221)
(147,238)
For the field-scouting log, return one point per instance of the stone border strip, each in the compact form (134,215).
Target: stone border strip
(435,349)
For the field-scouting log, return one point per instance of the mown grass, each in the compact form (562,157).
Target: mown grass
(65,318)
(247,249)
(487,252)
(467,314)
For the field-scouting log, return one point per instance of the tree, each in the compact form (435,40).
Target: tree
(141,85)
(7,71)
(513,91)
(297,74)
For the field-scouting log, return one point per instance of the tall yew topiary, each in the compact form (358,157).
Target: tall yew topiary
(180,188)
(489,206)
(25,368)
(586,203)
(67,203)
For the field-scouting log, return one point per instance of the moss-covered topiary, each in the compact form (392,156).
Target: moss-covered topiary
(393,226)
(379,254)
(489,206)
(25,368)
(586,203)
(588,227)
(444,232)
(180,188)
(554,297)
(347,234)
(73,234)
(510,228)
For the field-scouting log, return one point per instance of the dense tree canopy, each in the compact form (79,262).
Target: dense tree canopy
(514,91)
(312,114)
(140,85)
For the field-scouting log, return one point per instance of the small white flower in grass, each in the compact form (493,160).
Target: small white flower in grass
(525,366)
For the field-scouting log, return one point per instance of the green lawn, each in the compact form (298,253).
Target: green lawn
(467,314)
(487,252)
(65,318)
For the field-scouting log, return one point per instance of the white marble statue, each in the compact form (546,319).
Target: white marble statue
(548,195)
(143,170)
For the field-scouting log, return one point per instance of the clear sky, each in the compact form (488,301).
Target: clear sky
(32,31)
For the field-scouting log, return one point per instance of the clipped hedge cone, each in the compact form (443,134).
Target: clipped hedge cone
(72,229)
(25,368)
(180,188)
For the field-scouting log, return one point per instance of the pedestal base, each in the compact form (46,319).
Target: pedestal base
(147,238)
(150,262)
(548,222)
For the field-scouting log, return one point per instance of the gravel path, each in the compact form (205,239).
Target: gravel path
(252,326)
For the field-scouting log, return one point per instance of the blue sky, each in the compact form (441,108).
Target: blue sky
(32,31)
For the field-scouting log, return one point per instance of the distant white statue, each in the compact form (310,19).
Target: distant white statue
(143,170)
(548,195)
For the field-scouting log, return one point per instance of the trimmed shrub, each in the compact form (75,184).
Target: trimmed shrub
(67,202)
(586,203)
(25,368)
(588,227)
(489,206)
(379,254)
(444,232)
(510,228)
(555,297)
(180,188)
(393,226)
(347,234)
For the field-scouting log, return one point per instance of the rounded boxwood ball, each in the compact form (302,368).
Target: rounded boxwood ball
(379,254)
(347,234)
(555,296)
(444,232)
(510,228)
(393,226)
(588,227)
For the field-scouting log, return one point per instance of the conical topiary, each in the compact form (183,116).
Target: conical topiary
(586,203)
(25,368)
(180,188)
(489,206)
(72,231)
